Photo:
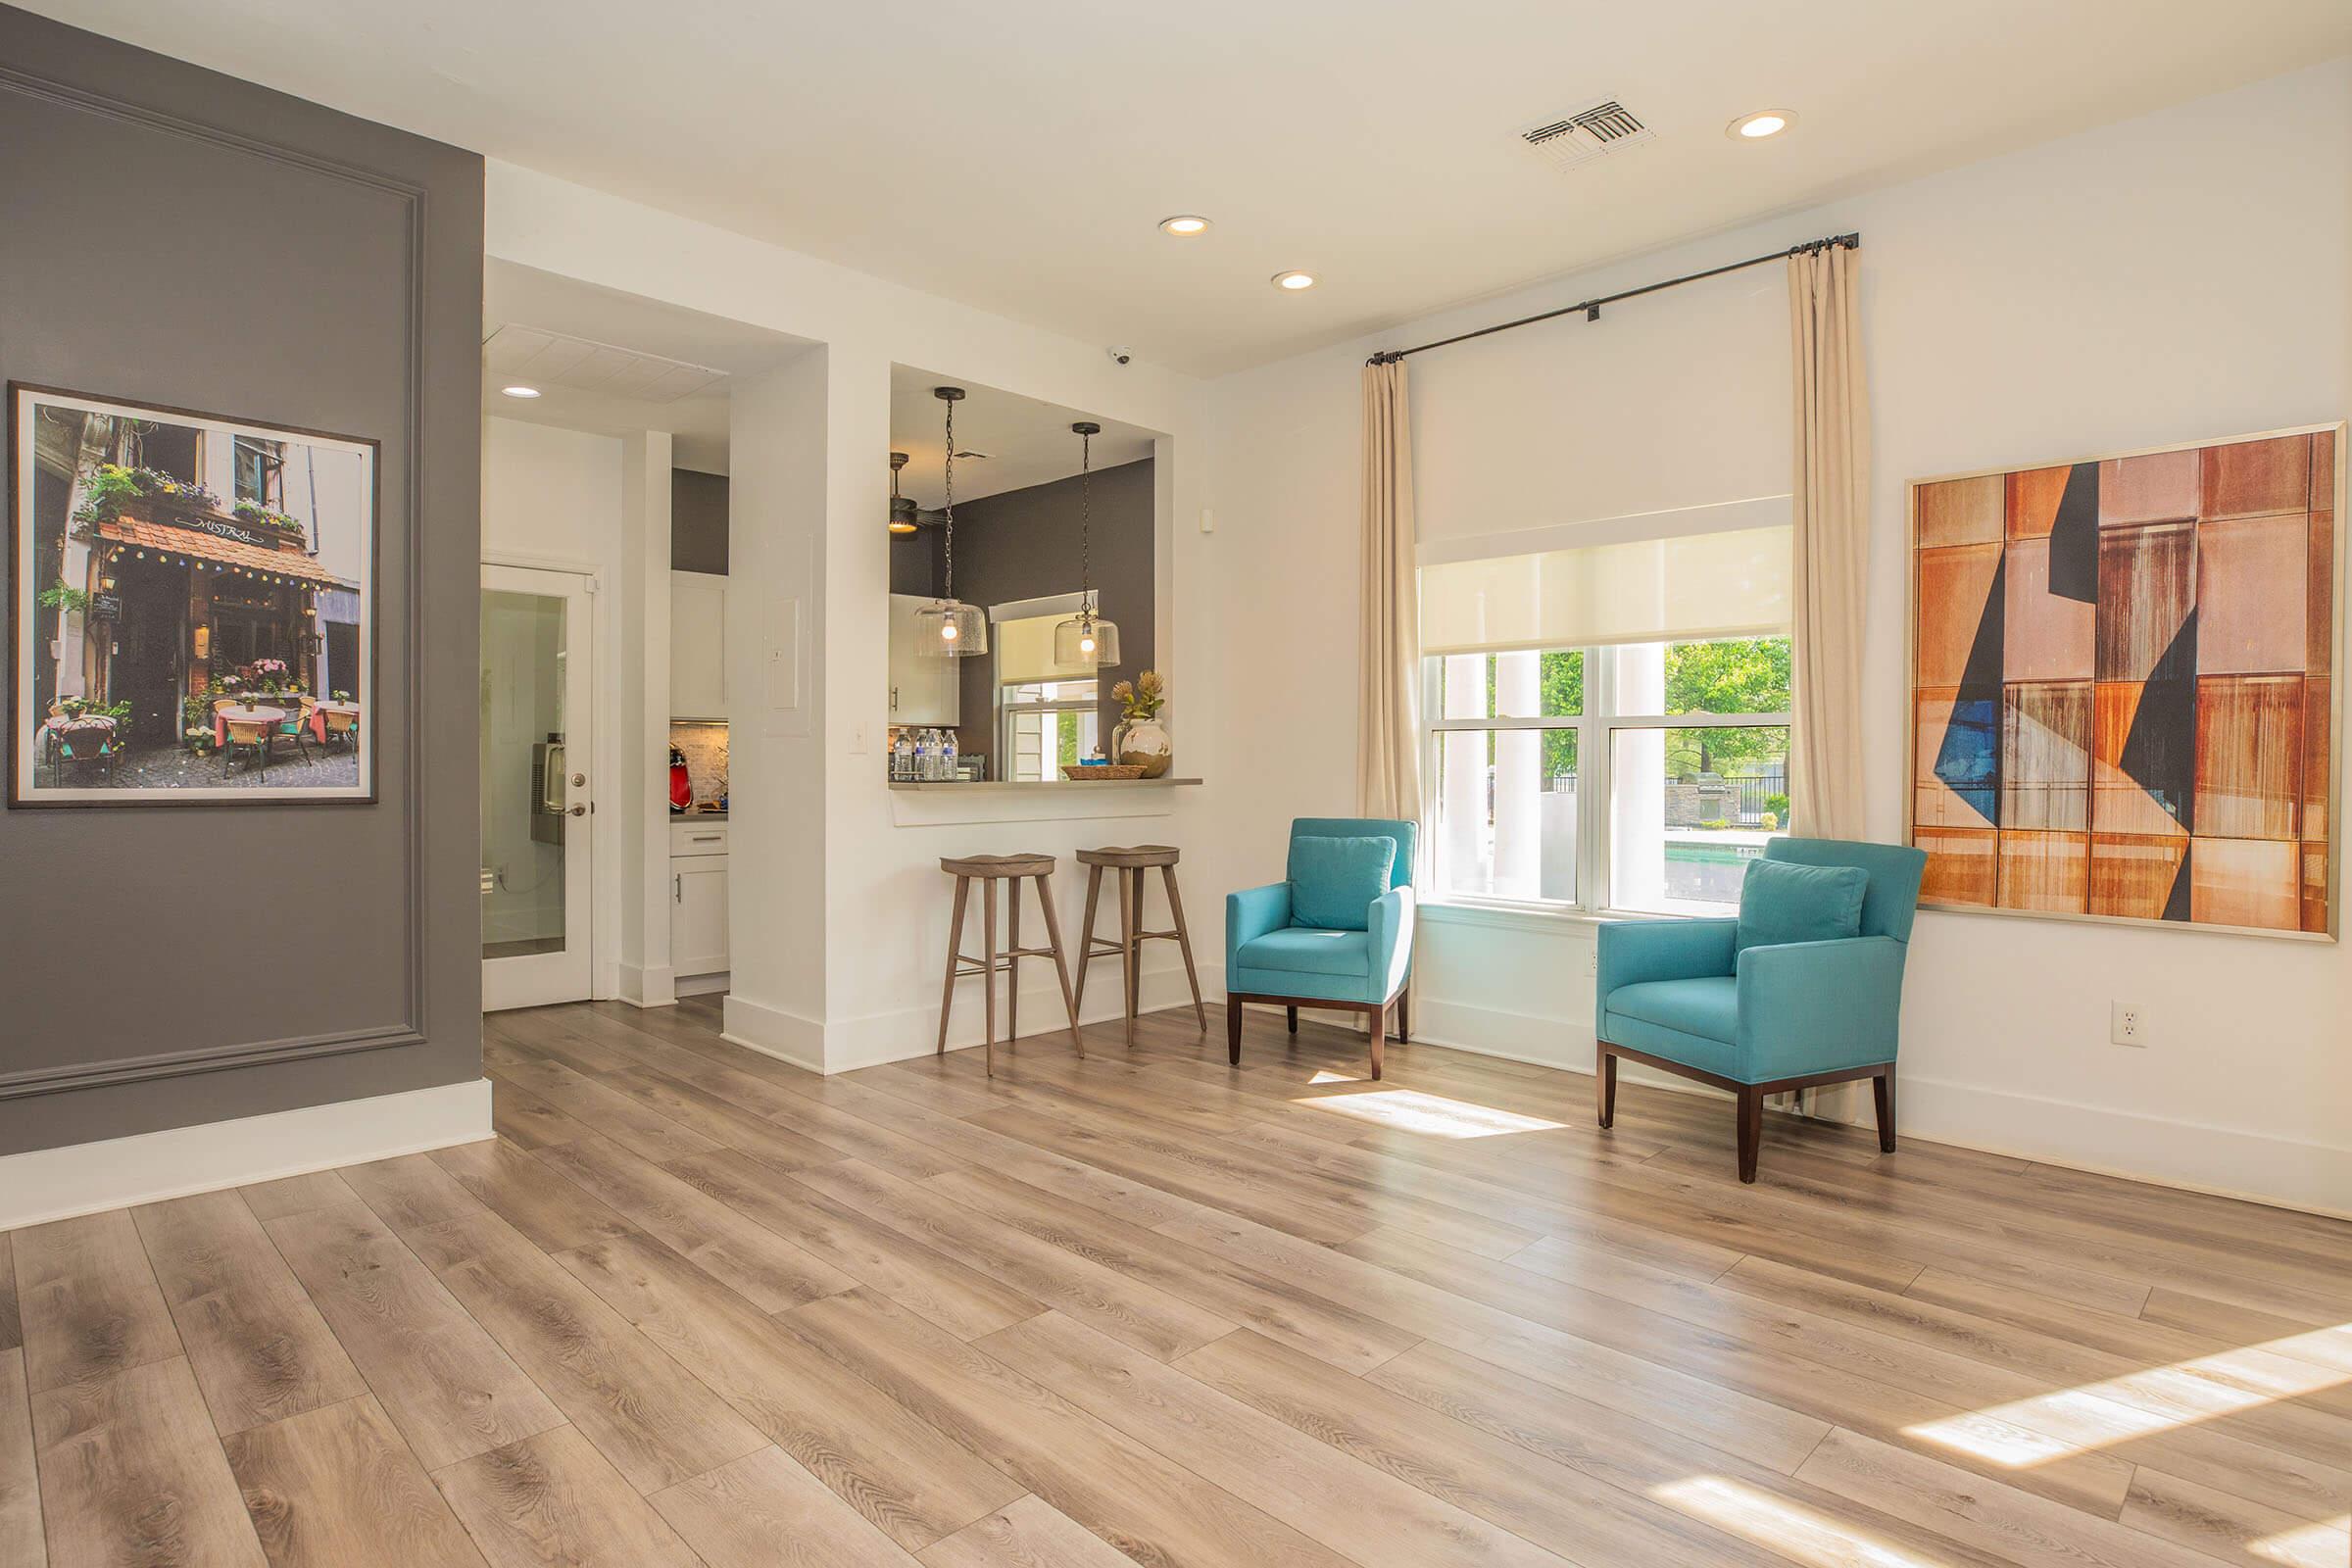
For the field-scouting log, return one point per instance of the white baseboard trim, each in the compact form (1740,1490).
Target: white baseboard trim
(700,984)
(2194,1156)
(643,986)
(47,1184)
(775,1031)
(904,1033)
(2191,1157)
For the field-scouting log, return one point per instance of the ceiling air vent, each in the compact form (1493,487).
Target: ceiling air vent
(1577,139)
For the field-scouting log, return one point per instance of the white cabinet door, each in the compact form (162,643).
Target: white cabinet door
(922,690)
(698,914)
(698,645)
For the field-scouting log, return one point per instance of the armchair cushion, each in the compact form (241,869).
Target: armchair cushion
(1334,880)
(1703,1052)
(1298,950)
(1781,902)
(1708,1008)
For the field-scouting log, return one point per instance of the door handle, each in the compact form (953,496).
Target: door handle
(677,886)
(579,810)
(893,699)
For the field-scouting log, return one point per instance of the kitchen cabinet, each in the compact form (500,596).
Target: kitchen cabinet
(697,897)
(698,645)
(924,690)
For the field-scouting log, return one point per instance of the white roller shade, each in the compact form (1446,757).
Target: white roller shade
(1025,652)
(1688,587)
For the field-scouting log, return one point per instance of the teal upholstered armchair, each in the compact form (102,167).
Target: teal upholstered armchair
(1804,988)
(1338,932)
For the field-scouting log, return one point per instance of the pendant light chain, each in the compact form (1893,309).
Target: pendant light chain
(1086,525)
(950,497)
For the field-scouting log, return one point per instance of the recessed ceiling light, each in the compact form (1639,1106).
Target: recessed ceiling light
(1294,282)
(1760,125)
(1184,226)
(520,391)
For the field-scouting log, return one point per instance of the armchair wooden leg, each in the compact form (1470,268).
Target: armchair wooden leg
(1291,1017)
(1751,1129)
(1380,1037)
(1883,1087)
(1232,1030)
(1405,1015)
(1604,1084)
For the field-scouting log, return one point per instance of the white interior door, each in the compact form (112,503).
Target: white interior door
(537,788)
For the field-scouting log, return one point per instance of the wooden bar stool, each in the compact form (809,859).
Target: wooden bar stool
(1131,863)
(989,870)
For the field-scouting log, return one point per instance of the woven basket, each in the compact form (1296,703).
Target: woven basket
(1082,773)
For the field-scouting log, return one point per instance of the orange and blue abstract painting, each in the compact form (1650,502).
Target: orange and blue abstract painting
(2122,685)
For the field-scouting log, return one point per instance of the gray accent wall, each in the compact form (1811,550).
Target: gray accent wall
(171,237)
(1023,544)
(697,522)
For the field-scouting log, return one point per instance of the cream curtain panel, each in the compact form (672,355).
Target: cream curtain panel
(1388,779)
(1734,584)
(1830,518)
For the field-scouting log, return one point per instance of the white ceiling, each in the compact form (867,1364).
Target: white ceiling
(1027,442)
(1018,157)
(649,365)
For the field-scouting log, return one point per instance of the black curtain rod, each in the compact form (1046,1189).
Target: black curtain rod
(1591,308)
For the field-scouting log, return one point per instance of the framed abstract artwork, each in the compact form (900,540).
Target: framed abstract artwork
(2122,685)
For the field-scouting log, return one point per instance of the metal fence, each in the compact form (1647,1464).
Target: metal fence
(1753,794)
(1756,793)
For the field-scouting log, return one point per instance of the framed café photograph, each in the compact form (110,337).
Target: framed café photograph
(191,606)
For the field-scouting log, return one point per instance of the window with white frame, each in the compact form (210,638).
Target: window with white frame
(1608,727)
(1047,725)
(1049,714)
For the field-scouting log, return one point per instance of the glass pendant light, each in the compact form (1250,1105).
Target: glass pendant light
(945,628)
(1086,641)
(902,510)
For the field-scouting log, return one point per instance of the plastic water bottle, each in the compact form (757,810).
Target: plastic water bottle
(947,755)
(902,756)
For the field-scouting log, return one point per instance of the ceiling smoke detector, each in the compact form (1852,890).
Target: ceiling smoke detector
(1572,141)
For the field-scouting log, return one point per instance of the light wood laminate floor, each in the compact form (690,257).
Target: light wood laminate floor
(692,1306)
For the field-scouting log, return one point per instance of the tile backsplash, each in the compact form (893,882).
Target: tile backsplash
(706,749)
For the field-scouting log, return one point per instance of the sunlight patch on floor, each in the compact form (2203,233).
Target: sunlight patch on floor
(1409,1111)
(1786,1528)
(2159,1398)
(2326,1543)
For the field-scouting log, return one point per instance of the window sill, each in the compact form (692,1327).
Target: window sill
(1530,916)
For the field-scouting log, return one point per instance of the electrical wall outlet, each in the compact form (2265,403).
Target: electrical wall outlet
(2128,1025)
